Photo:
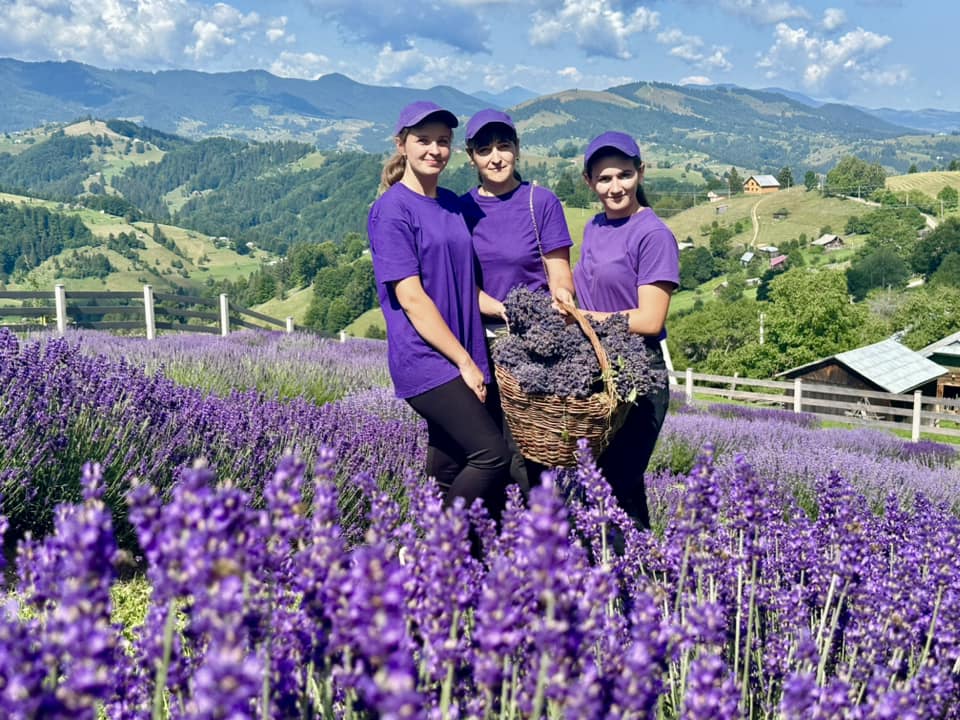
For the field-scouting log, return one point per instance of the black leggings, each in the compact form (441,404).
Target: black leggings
(466,452)
(625,460)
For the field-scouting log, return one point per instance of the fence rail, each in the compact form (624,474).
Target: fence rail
(869,408)
(148,311)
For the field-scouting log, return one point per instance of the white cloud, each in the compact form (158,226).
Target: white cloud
(600,27)
(307,66)
(696,80)
(126,33)
(832,66)
(767,12)
(689,48)
(833,18)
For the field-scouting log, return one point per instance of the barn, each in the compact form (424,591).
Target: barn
(887,366)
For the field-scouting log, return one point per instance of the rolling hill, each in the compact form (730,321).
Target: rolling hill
(760,130)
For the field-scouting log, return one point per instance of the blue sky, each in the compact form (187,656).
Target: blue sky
(875,53)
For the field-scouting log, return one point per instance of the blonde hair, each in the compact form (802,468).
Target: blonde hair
(395,166)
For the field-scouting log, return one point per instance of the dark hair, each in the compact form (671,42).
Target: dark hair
(614,153)
(491,134)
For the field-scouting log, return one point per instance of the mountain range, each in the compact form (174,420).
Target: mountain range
(758,129)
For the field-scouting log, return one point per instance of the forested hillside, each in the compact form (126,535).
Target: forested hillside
(30,235)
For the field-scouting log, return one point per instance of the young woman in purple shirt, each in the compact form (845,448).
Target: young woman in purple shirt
(629,263)
(520,237)
(436,350)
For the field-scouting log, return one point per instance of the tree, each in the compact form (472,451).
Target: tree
(696,267)
(948,197)
(928,315)
(879,268)
(912,169)
(734,181)
(929,252)
(949,272)
(810,316)
(714,331)
(853,176)
(810,180)
(564,189)
(785,177)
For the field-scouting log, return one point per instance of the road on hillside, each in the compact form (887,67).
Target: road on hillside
(756,222)
(931,221)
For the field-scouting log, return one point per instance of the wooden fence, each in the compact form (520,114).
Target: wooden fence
(916,412)
(134,311)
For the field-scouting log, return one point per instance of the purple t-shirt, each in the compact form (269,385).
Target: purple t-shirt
(618,256)
(411,234)
(504,240)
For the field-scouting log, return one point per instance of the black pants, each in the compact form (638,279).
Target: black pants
(466,452)
(625,460)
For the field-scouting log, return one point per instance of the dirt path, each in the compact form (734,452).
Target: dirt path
(756,222)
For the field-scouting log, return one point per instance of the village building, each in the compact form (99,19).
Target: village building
(828,241)
(761,184)
(946,352)
(746,258)
(778,261)
(887,366)
(714,197)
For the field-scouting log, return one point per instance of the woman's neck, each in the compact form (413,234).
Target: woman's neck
(419,184)
(494,189)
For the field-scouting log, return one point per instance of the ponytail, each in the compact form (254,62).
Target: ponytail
(394,167)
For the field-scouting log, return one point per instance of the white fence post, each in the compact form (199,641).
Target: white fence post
(289,324)
(917,405)
(343,336)
(689,386)
(60,300)
(797,395)
(148,313)
(667,361)
(224,315)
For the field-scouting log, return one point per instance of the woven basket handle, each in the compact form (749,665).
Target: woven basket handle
(584,323)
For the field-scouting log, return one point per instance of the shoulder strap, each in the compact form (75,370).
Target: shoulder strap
(536,234)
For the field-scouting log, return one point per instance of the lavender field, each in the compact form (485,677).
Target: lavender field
(238,528)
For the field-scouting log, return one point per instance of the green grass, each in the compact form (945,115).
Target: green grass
(358,327)
(295,305)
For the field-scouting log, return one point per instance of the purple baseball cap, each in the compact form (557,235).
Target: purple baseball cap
(611,139)
(416,112)
(485,117)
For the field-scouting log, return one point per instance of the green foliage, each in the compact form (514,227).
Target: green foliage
(54,169)
(697,265)
(734,181)
(113,205)
(785,177)
(928,314)
(931,250)
(949,271)
(30,234)
(810,181)
(853,176)
(879,268)
(83,264)
(341,294)
(810,316)
(948,197)
(704,338)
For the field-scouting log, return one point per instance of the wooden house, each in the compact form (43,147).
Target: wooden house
(828,241)
(886,366)
(761,184)
(946,352)
(778,261)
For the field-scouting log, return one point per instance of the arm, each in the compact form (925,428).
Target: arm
(491,306)
(650,315)
(559,277)
(428,321)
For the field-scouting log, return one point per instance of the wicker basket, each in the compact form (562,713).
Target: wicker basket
(546,428)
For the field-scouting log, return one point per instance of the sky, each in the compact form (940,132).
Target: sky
(872,53)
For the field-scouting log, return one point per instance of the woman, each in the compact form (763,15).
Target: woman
(436,351)
(520,237)
(629,263)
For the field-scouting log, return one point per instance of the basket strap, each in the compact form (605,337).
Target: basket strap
(605,371)
(536,234)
